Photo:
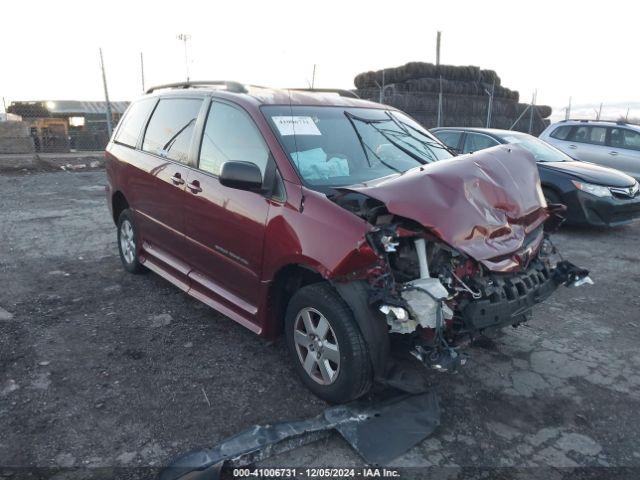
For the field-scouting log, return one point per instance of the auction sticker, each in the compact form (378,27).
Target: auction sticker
(298,125)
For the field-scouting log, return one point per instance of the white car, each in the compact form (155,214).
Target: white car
(612,144)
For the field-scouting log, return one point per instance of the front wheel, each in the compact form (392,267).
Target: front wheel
(127,243)
(326,345)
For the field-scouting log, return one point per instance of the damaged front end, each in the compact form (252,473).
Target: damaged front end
(482,261)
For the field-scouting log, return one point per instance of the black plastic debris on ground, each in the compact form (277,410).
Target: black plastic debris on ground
(379,432)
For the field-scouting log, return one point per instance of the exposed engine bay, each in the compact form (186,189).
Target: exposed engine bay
(443,298)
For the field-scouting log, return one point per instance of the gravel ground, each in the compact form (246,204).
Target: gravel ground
(115,373)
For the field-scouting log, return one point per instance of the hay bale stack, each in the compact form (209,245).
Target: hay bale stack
(414,88)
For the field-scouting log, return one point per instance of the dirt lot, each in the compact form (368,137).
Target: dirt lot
(108,371)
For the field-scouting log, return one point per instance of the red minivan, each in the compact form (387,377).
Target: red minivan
(339,221)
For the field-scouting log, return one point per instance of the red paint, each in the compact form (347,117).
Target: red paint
(226,246)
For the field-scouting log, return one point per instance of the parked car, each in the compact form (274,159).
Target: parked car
(594,195)
(611,144)
(331,219)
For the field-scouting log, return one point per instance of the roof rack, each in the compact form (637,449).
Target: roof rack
(339,91)
(587,120)
(231,86)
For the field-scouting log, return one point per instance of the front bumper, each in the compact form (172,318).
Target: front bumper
(586,209)
(507,299)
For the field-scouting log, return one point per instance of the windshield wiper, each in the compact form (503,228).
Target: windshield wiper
(352,117)
(365,146)
(425,151)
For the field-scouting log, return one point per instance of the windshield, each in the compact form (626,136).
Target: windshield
(338,146)
(542,151)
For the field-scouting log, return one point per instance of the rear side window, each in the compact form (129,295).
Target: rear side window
(231,135)
(623,138)
(561,133)
(475,142)
(133,122)
(595,135)
(171,127)
(449,138)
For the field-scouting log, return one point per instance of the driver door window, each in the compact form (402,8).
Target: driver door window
(230,135)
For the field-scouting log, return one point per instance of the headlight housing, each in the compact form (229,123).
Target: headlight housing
(597,190)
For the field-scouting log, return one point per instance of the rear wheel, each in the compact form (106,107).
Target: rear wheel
(127,243)
(326,345)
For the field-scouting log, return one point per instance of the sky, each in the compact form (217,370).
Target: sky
(561,49)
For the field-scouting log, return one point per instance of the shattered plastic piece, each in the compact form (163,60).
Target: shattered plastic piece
(443,360)
(425,296)
(582,281)
(398,319)
(389,243)
(379,433)
(570,275)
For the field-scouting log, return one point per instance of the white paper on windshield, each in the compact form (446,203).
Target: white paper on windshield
(289,125)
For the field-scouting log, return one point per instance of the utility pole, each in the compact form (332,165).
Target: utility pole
(599,111)
(381,87)
(185,37)
(439,121)
(490,108)
(142,71)
(533,102)
(313,77)
(106,96)
(4,106)
(567,115)
(438,47)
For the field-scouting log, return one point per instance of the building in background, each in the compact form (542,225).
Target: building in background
(67,125)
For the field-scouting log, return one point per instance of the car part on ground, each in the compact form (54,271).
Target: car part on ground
(379,432)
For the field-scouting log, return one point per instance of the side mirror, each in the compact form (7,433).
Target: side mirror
(241,175)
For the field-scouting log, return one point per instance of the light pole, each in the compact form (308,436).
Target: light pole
(106,96)
(185,37)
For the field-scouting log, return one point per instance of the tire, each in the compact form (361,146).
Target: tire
(339,382)
(128,243)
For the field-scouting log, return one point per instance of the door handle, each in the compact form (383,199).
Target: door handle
(177,179)
(572,146)
(614,153)
(194,186)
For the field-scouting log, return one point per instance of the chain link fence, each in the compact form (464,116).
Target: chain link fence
(56,126)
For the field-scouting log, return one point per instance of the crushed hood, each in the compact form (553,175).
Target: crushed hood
(487,205)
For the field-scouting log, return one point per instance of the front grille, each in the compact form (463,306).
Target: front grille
(626,192)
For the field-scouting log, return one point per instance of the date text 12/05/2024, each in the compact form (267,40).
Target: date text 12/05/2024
(366,472)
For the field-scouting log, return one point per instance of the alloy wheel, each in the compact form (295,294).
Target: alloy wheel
(127,241)
(317,346)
